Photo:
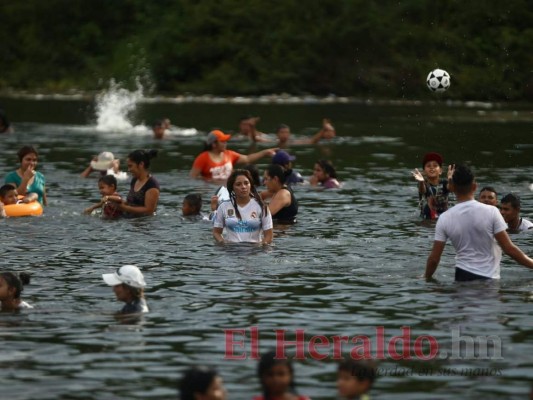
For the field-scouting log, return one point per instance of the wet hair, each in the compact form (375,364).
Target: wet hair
(512,199)
(196,380)
(282,126)
(253,190)
(142,156)
(266,363)
(462,178)
(362,370)
(16,281)
(277,171)
(25,150)
(5,189)
(328,168)
(488,189)
(137,293)
(195,201)
(109,180)
(254,172)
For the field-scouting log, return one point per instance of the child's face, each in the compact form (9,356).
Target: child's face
(319,173)
(6,292)
(188,210)
(349,386)
(215,391)
(122,293)
(277,380)
(432,169)
(10,197)
(105,189)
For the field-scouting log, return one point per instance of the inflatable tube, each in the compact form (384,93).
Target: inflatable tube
(24,209)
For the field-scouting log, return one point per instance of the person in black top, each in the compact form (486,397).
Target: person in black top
(283,205)
(128,284)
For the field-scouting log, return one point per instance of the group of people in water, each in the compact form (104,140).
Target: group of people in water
(477,228)
(277,379)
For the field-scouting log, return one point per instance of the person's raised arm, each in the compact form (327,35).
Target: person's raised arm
(512,250)
(434,258)
(251,158)
(420,179)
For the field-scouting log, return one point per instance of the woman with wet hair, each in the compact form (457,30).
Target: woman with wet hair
(324,175)
(245,216)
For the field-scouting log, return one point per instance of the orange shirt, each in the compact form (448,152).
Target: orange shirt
(216,170)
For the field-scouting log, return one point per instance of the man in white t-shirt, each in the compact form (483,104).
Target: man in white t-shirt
(472,227)
(510,208)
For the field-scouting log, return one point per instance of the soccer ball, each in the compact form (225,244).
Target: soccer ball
(438,80)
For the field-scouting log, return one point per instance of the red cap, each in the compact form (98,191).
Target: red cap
(432,157)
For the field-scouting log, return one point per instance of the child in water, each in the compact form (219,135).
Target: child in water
(110,198)
(128,284)
(192,205)
(277,379)
(432,191)
(201,383)
(11,285)
(9,196)
(355,379)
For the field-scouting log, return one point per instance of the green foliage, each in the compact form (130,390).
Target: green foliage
(230,47)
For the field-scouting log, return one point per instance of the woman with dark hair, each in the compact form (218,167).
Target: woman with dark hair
(144,188)
(283,204)
(11,285)
(26,178)
(201,383)
(245,216)
(216,161)
(324,175)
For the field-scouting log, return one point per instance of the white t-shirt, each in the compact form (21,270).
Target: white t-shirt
(249,229)
(525,225)
(471,227)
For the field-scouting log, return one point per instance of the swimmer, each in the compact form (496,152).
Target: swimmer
(285,160)
(11,285)
(110,198)
(192,205)
(128,284)
(277,379)
(158,129)
(9,195)
(432,191)
(510,206)
(106,164)
(355,379)
(488,195)
(283,205)
(201,383)
(324,175)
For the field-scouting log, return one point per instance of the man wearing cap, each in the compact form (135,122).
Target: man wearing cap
(510,208)
(285,160)
(216,161)
(432,191)
(475,230)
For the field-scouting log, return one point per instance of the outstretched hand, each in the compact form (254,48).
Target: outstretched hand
(417,175)
(451,170)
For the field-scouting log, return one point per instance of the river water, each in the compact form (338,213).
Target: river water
(350,266)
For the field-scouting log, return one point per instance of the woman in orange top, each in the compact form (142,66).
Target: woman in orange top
(216,162)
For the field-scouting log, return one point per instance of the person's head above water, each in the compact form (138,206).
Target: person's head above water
(488,195)
(463,180)
(201,383)
(192,205)
(8,194)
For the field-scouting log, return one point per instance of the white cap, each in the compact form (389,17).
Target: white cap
(103,161)
(128,274)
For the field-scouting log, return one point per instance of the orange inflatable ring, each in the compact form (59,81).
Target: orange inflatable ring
(24,209)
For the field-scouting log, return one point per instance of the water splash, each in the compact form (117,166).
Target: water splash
(114,106)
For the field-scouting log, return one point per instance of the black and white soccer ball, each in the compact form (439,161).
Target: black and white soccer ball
(438,80)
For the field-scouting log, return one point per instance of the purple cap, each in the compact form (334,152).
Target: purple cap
(282,157)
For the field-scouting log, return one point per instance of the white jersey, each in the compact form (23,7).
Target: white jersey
(525,225)
(471,227)
(249,229)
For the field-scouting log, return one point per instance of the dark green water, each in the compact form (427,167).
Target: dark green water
(348,267)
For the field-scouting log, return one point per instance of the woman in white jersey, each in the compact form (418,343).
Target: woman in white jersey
(244,215)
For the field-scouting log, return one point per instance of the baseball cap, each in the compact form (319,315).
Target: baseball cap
(282,157)
(432,157)
(215,135)
(128,274)
(103,162)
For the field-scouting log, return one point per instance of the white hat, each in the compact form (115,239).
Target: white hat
(128,274)
(104,161)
